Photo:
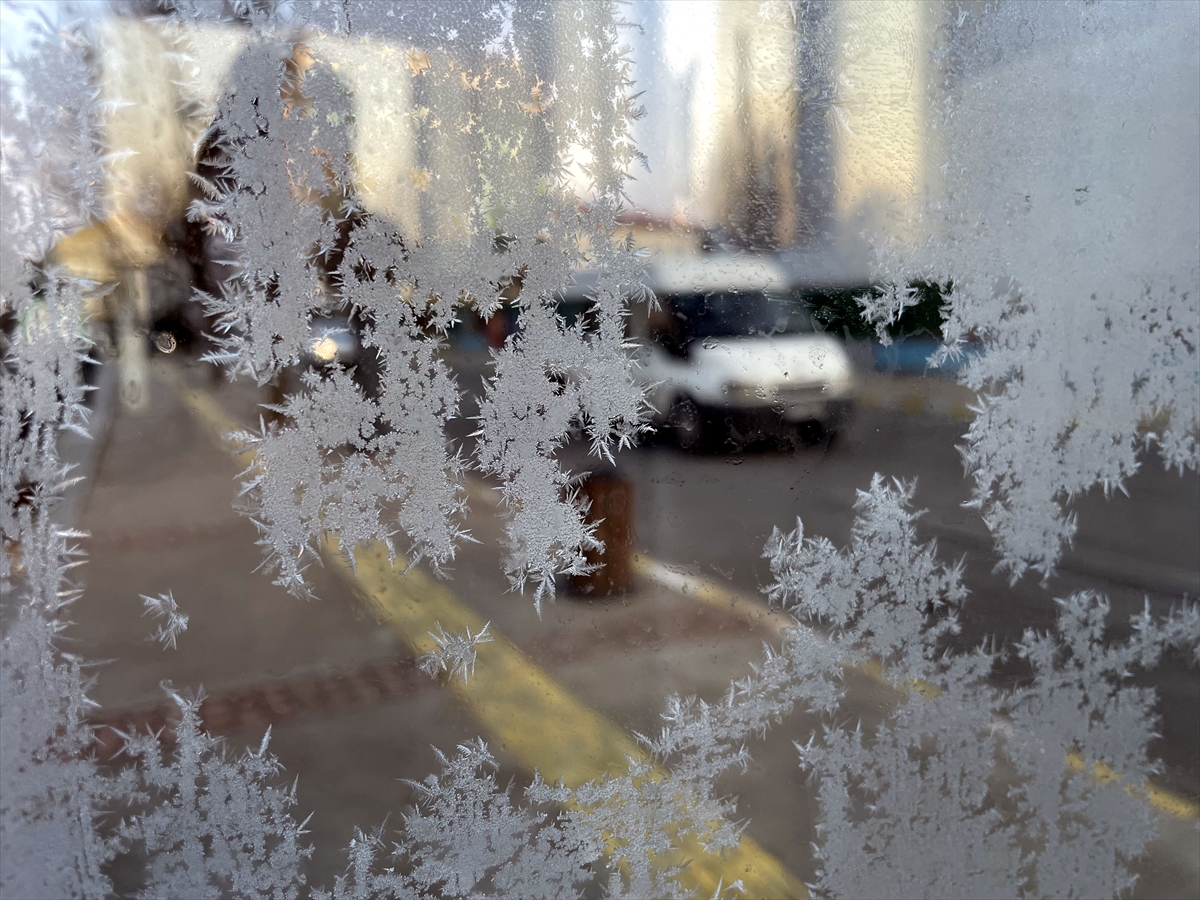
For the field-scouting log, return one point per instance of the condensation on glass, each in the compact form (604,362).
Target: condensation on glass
(753,444)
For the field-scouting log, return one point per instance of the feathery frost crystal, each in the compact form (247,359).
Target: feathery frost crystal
(521,117)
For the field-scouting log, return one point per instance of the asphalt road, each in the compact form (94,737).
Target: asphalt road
(714,514)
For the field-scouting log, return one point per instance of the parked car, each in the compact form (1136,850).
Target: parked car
(335,340)
(731,354)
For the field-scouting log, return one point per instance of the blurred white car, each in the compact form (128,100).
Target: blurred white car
(732,353)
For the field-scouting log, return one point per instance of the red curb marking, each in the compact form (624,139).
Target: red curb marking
(267,704)
(154,539)
(271,703)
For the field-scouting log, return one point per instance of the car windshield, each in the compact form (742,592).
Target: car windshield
(738,314)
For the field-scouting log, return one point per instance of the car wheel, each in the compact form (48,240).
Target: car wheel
(810,433)
(687,424)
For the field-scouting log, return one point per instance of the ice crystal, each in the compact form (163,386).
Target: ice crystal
(466,838)
(57,831)
(938,764)
(1050,140)
(174,622)
(314,231)
(218,825)
(883,591)
(52,797)
(500,224)
(455,654)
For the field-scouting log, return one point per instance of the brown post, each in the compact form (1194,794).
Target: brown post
(611,498)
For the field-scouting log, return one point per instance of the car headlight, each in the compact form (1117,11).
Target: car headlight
(324,348)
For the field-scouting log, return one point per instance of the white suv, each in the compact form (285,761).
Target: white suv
(731,352)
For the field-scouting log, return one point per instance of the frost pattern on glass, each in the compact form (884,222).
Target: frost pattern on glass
(210,823)
(218,824)
(51,794)
(51,164)
(957,756)
(467,835)
(954,754)
(172,622)
(1068,222)
(58,809)
(487,214)
(455,653)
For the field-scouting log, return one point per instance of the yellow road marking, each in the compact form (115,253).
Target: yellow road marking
(542,726)
(1157,797)
(526,713)
(207,410)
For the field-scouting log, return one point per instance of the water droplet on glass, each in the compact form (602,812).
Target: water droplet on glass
(165,341)
(709,343)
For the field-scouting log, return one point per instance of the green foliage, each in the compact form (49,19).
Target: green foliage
(837,309)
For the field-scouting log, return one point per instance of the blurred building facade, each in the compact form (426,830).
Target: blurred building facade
(784,125)
(769,125)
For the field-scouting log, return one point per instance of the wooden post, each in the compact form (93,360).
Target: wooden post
(611,498)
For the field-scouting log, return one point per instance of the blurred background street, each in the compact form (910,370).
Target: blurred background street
(741,164)
(336,679)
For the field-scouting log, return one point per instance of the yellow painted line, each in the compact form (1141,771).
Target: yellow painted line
(1170,803)
(532,718)
(758,614)
(207,410)
(1157,797)
(528,714)
(912,402)
(524,710)
(961,412)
